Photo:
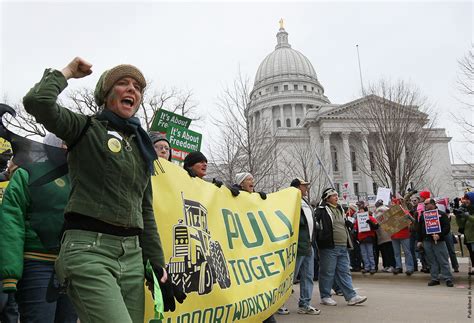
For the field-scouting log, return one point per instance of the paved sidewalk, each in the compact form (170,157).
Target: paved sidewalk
(394,299)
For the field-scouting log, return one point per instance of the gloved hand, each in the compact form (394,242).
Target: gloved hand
(234,190)
(217,182)
(169,291)
(372,225)
(263,195)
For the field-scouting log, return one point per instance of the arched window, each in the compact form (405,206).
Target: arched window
(298,121)
(288,122)
(353,159)
(335,162)
(278,123)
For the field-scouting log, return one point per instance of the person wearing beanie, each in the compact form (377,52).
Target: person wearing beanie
(195,163)
(333,242)
(109,223)
(32,219)
(245,182)
(465,220)
(161,144)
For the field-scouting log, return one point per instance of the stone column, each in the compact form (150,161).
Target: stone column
(366,160)
(347,161)
(293,115)
(282,117)
(304,110)
(327,152)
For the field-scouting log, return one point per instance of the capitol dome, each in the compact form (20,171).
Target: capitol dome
(284,63)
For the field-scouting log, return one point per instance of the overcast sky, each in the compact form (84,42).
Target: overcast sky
(200,46)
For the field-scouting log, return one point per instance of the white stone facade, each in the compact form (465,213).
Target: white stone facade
(288,95)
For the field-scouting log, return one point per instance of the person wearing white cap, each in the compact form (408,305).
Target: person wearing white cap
(245,182)
(333,240)
(305,254)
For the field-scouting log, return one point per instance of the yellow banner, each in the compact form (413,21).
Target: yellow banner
(233,256)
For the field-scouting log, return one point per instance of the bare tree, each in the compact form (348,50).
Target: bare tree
(23,123)
(398,122)
(244,144)
(300,159)
(465,85)
(174,100)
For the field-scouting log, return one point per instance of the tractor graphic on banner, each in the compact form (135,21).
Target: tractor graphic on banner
(198,262)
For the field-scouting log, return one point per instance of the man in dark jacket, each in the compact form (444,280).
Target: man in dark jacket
(305,257)
(333,240)
(435,245)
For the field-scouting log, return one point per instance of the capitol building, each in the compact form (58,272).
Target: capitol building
(288,97)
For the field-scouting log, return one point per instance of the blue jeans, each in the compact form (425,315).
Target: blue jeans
(31,296)
(305,266)
(8,308)
(367,251)
(334,267)
(449,239)
(437,254)
(397,245)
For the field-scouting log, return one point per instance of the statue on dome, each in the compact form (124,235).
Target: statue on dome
(281,23)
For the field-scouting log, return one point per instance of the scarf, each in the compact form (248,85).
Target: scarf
(132,126)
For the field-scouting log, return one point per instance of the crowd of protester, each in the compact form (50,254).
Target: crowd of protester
(63,256)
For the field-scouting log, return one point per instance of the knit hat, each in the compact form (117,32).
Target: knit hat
(194,158)
(155,136)
(52,140)
(470,196)
(109,77)
(298,181)
(353,207)
(328,192)
(379,203)
(425,195)
(240,177)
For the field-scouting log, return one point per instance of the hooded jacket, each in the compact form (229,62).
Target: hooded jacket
(465,221)
(324,218)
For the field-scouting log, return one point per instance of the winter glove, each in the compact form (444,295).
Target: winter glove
(217,182)
(263,195)
(234,190)
(169,291)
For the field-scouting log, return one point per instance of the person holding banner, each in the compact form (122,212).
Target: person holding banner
(433,227)
(110,229)
(161,145)
(333,240)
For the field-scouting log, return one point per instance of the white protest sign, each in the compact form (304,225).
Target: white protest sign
(362,224)
(383,194)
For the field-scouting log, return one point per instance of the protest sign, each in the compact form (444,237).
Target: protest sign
(362,224)
(383,194)
(163,118)
(233,256)
(4,145)
(371,199)
(393,220)
(432,224)
(182,141)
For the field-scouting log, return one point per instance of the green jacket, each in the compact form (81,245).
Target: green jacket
(31,221)
(109,184)
(466,223)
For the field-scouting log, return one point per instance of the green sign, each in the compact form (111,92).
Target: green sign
(163,119)
(183,141)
